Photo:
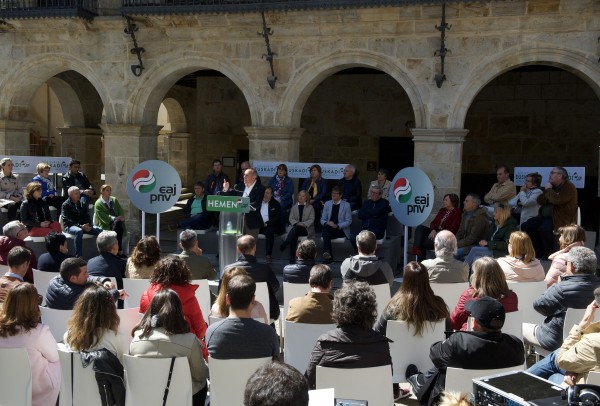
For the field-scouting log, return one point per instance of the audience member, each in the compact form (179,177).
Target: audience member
(10,191)
(575,290)
(474,225)
(108,263)
(487,280)
(374,214)
(570,236)
(200,266)
(302,219)
(351,187)
(163,332)
(239,336)
(143,259)
(246,247)
(220,309)
(316,187)
(270,212)
(216,179)
(383,183)
(49,193)
(456,399)
(485,347)
(255,192)
(316,306)
(198,218)
(64,289)
(448,218)
(77,179)
(561,195)
(366,267)
(18,262)
(503,190)
(109,215)
(283,191)
(299,272)
(35,213)
(276,384)
(445,268)
(336,220)
(58,251)
(76,219)
(521,265)
(525,203)
(15,233)
(20,327)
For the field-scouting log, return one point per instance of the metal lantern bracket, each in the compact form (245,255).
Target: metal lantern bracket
(270,54)
(137,50)
(441,77)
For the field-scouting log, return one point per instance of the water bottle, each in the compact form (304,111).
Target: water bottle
(229,227)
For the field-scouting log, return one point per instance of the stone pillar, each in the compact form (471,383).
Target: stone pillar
(176,150)
(125,146)
(85,145)
(14,137)
(438,152)
(274,143)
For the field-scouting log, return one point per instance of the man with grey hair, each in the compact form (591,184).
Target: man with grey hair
(15,233)
(299,271)
(474,225)
(199,265)
(445,268)
(575,290)
(108,263)
(76,219)
(351,187)
(366,267)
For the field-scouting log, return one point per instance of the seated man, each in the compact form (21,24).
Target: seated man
(366,267)
(76,219)
(195,208)
(77,179)
(503,190)
(336,220)
(276,384)
(299,272)
(18,262)
(575,290)
(56,245)
(374,214)
(485,347)
(64,289)
(444,268)
(316,306)
(239,336)
(474,225)
(246,247)
(351,187)
(15,233)
(108,263)
(200,266)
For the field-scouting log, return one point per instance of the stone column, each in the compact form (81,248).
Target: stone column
(85,145)
(125,146)
(14,137)
(176,150)
(274,143)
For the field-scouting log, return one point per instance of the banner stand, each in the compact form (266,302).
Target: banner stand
(405,245)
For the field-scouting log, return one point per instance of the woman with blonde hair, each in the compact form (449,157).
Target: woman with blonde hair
(35,213)
(487,280)
(220,309)
(20,327)
(49,192)
(570,236)
(144,258)
(520,265)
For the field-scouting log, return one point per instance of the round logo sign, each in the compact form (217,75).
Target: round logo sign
(154,186)
(413,196)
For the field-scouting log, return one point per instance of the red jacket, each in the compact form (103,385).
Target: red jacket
(452,222)
(460,315)
(191,308)
(6,243)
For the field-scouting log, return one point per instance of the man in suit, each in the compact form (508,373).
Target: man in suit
(108,263)
(336,220)
(254,190)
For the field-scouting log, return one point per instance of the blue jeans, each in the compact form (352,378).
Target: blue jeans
(548,369)
(476,253)
(460,254)
(78,233)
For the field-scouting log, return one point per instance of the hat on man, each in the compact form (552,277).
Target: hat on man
(487,311)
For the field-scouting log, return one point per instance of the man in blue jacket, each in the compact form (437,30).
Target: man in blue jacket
(336,220)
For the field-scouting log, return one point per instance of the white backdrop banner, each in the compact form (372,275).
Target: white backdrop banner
(267,169)
(576,174)
(27,164)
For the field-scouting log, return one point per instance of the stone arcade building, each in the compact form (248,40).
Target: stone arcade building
(522,85)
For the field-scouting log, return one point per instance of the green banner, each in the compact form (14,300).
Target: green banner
(232,204)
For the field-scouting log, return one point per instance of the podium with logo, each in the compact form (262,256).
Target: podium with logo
(231,224)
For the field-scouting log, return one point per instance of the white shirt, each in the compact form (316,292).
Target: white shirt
(248,189)
(264,211)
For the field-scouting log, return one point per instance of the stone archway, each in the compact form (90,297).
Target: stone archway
(174,138)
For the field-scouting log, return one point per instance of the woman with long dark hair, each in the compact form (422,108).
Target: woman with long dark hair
(143,259)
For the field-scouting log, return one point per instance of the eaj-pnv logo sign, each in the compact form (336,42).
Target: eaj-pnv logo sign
(413,196)
(154,186)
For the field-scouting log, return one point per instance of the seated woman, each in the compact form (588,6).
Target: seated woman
(520,265)
(164,333)
(497,244)
(10,191)
(525,202)
(49,193)
(487,280)
(283,191)
(316,187)
(172,273)
(270,212)
(144,258)
(109,215)
(56,245)
(220,309)
(570,236)
(302,219)
(383,182)
(35,213)
(20,327)
(448,218)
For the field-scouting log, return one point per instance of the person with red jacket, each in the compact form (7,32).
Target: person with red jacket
(15,233)
(172,273)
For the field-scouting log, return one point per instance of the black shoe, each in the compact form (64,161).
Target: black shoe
(411,370)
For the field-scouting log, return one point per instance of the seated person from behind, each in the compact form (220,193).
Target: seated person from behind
(445,268)
(316,306)
(108,263)
(299,272)
(366,267)
(520,265)
(374,214)
(200,266)
(76,219)
(486,347)
(195,209)
(18,262)
(220,308)
(56,245)
(143,259)
(77,179)
(109,215)
(351,187)
(474,225)
(503,190)
(276,384)
(448,218)
(336,220)
(239,336)
(525,202)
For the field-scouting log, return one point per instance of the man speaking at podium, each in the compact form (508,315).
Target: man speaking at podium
(255,191)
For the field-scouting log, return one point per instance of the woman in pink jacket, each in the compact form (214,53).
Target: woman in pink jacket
(570,236)
(521,265)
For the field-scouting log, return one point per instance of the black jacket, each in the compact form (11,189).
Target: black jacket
(75,214)
(62,295)
(253,217)
(355,197)
(79,180)
(109,375)
(374,216)
(108,265)
(33,212)
(50,261)
(298,272)
(214,183)
(274,214)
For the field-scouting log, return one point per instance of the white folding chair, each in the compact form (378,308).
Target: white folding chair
(134,288)
(128,319)
(382,295)
(409,349)
(41,280)
(15,377)
(203,297)
(461,380)
(300,339)
(528,292)
(513,324)
(593,378)
(56,321)
(572,317)
(450,292)
(228,379)
(291,291)
(262,295)
(375,383)
(79,386)
(146,380)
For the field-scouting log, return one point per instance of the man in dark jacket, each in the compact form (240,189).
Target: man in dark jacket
(79,180)
(305,260)
(215,180)
(246,247)
(365,266)
(15,233)
(255,191)
(108,263)
(575,290)
(351,187)
(374,215)
(485,347)
(474,225)
(76,219)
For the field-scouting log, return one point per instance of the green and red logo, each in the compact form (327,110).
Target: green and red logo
(402,190)
(143,181)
